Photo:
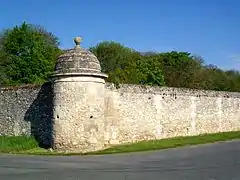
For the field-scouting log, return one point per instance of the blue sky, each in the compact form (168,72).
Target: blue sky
(209,28)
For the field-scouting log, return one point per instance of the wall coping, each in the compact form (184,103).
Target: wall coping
(25,86)
(143,89)
(170,91)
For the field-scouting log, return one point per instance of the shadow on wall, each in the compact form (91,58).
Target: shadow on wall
(39,114)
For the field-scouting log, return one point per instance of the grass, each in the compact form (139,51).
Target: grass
(16,144)
(171,143)
(28,145)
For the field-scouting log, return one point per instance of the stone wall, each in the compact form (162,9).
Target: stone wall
(26,110)
(138,112)
(132,112)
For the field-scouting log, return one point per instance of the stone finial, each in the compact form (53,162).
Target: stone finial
(77,41)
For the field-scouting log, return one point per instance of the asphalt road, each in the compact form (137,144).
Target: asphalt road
(220,161)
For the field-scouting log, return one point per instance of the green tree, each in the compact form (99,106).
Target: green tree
(117,61)
(125,65)
(216,79)
(234,79)
(111,55)
(28,54)
(177,68)
(152,69)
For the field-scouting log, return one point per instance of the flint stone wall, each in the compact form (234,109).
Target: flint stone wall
(132,112)
(26,110)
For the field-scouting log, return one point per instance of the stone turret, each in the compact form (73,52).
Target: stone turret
(78,102)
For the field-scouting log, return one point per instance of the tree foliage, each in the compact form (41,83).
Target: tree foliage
(124,65)
(173,69)
(27,54)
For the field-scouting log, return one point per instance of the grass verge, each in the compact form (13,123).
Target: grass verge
(171,143)
(28,145)
(16,144)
